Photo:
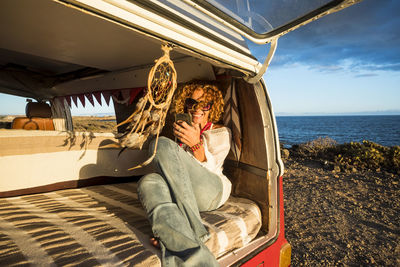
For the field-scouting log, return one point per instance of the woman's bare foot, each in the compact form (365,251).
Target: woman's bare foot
(155,242)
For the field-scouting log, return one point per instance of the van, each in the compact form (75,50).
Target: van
(67,197)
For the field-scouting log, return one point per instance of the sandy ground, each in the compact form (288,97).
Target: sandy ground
(339,219)
(94,124)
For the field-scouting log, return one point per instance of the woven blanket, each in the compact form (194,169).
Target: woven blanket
(103,226)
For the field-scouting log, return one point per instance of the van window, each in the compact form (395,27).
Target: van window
(96,119)
(263,16)
(10,107)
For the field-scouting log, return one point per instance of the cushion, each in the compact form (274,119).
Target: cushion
(104,224)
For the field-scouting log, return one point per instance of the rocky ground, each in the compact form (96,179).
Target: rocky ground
(336,218)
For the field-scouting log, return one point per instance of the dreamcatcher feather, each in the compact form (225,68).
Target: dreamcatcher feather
(148,119)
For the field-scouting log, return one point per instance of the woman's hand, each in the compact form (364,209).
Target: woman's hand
(190,135)
(187,134)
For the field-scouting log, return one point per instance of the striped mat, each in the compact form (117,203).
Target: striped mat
(103,226)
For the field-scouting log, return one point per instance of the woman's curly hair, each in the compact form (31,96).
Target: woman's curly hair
(211,94)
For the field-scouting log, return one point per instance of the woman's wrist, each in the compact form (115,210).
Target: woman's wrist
(197,146)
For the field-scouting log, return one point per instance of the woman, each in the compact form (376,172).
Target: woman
(189,178)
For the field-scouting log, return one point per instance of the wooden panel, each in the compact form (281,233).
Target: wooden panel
(249,176)
(251,186)
(253,144)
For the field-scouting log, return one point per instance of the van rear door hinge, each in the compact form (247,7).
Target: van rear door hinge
(263,69)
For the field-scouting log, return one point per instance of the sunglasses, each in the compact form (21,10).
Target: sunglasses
(193,104)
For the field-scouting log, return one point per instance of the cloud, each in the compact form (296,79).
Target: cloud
(366,75)
(366,35)
(327,68)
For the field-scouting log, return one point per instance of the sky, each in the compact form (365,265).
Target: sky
(344,63)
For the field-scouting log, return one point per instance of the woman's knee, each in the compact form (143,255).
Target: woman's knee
(149,182)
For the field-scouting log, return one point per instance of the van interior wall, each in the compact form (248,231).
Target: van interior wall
(249,175)
(38,161)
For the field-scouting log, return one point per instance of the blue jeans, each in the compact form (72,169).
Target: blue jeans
(173,198)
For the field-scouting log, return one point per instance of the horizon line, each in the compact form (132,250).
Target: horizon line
(359,113)
(366,113)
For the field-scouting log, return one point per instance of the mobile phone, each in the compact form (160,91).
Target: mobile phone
(186,117)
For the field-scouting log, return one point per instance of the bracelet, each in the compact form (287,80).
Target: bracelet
(197,146)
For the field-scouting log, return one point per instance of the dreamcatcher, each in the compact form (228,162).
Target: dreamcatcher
(151,110)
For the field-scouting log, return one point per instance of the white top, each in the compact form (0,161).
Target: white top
(216,147)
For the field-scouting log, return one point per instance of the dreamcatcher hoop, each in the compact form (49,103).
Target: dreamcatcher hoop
(162,61)
(151,110)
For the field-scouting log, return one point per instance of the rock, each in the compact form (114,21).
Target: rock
(336,168)
(372,260)
(326,165)
(285,153)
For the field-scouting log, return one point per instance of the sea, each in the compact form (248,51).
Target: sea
(381,129)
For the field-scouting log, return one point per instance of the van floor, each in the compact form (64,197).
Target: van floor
(104,225)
